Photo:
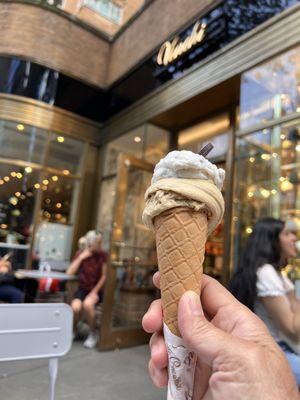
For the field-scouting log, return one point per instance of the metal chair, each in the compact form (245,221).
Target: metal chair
(32,331)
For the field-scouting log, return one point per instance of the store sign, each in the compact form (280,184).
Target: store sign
(170,51)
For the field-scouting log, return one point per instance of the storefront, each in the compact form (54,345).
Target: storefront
(48,160)
(245,99)
(230,76)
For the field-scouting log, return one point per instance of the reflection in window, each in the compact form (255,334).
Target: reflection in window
(66,154)
(22,142)
(147,142)
(267,178)
(107,8)
(271,90)
(18,191)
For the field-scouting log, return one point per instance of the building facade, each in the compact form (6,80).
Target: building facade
(87,111)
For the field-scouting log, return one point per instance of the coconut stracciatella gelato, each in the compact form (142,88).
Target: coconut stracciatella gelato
(183,205)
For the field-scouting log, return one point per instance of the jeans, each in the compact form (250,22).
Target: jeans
(11,294)
(293,359)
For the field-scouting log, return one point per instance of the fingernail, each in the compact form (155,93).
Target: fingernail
(194,303)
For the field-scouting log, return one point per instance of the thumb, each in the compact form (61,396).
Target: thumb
(200,335)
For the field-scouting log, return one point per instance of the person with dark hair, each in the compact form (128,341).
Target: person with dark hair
(259,284)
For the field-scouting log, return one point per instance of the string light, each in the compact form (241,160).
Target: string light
(1,182)
(19,175)
(266,157)
(58,205)
(250,194)
(265,193)
(249,230)
(13,201)
(54,178)
(298,147)
(37,185)
(282,179)
(60,139)
(137,139)
(44,188)
(13,174)
(275,155)
(66,172)
(17,194)
(252,159)
(282,137)
(273,191)
(3,226)
(20,127)
(6,179)
(28,170)
(45,182)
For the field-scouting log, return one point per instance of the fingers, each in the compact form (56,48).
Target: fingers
(214,296)
(153,319)
(156,280)
(159,360)
(199,334)
(159,377)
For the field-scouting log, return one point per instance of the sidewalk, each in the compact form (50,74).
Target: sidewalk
(83,374)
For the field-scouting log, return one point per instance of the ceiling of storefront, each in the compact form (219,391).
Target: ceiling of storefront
(212,101)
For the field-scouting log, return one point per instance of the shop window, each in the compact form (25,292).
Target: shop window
(267,179)
(66,154)
(215,131)
(271,90)
(147,142)
(22,142)
(18,194)
(106,8)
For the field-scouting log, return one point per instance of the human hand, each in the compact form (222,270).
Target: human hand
(237,358)
(86,253)
(5,266)
(93,297)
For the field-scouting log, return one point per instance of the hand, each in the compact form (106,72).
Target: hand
(93,297)
(86,253)
(237,358)
(5,266)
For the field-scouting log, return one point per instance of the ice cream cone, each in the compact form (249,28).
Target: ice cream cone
(180,240)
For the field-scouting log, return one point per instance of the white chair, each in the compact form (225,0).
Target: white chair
(32,331)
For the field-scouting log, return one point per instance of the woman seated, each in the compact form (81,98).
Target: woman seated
(260,285)
(8,292)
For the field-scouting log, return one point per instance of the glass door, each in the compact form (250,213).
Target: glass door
(129,288)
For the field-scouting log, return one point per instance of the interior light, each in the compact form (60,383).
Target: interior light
(6,178)
(28,170)
(13,201)
(249,230)
(19,175)
(54,178)
(37,185)
(13,174)
(20,127)
(252,159)
(60,139)
(58,205)
(137,139)
(17,194)
(66,172)
(45,182)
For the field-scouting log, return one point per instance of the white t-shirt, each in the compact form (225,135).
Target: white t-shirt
(270,283)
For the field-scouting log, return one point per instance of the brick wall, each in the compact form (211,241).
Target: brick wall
(161,19)
(50,39)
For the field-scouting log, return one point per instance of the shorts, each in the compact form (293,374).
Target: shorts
(81,294)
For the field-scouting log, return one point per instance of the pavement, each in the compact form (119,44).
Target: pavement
(83,374)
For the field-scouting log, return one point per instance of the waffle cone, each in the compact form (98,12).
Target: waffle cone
(180,240)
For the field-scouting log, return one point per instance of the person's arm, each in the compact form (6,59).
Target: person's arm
(5,266)
(74,267)
(101,281)
(285,315)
